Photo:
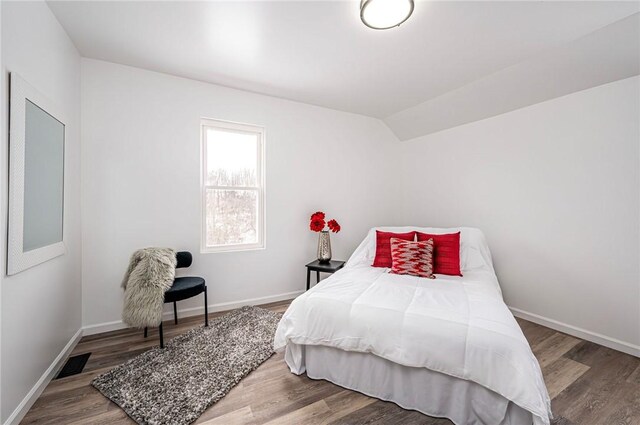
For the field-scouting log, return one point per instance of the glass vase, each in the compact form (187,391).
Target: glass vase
(324,247)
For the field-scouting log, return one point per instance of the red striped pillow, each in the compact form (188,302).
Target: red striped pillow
(383,246)
(412,258)
(446,252)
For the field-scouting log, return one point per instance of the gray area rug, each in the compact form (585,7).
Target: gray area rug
(176,384)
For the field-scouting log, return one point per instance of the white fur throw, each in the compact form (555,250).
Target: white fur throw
(151,272)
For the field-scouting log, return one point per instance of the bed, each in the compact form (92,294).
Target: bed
(447,347)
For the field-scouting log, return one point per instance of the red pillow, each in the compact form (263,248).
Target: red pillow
(446,252)
(383,246)
(412,258)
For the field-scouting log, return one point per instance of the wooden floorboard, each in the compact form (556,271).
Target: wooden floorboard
(589,384)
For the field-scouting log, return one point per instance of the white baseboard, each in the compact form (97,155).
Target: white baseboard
(31,397)
(604,340)
(193,311)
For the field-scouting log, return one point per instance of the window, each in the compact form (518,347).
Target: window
(232,186)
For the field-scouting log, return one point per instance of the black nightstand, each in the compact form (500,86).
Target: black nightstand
(330,267)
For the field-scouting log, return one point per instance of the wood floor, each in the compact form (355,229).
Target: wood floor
(589,385)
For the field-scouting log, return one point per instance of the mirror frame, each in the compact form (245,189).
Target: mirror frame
(17,259)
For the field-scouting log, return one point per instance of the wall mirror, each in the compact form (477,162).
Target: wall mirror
(36,178)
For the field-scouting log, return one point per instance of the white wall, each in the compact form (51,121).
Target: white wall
(41,307)
(140,182)
(555,187)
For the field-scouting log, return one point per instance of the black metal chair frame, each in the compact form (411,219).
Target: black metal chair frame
(184,260)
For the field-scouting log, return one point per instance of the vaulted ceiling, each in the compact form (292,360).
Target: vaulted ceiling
(450,63)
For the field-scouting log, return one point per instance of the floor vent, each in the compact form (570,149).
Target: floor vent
(74,365)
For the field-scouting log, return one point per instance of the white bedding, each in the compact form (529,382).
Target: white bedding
(459,326)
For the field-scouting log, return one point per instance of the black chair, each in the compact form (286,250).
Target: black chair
(183,288)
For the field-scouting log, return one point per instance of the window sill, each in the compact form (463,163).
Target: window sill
(229,249)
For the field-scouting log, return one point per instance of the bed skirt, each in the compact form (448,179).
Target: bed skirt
(432,393)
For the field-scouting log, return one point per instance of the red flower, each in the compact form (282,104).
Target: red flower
(317,216)
(334,226)
(317,224)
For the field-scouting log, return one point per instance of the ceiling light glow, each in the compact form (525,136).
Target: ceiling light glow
(385,14)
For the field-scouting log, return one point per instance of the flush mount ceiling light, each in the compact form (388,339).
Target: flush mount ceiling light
(385,14)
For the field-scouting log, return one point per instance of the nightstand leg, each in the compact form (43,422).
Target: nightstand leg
(308,278)
(317,276)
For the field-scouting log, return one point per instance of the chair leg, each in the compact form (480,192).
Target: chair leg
(161,336)
(175,313)
(145,331)
(206,311)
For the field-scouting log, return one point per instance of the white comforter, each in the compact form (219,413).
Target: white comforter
(459,326)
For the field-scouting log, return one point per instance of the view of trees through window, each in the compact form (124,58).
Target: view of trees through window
(232,213)
(232,188)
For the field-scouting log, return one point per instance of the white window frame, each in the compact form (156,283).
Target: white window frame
(206,123)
